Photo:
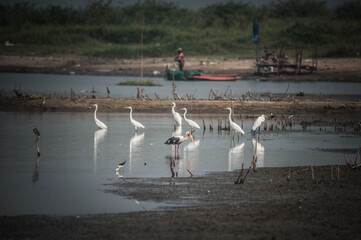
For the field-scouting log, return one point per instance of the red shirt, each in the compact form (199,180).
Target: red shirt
(181,57)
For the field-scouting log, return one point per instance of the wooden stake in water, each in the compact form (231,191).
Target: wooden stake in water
(141,51)
(313,175)
(37,134)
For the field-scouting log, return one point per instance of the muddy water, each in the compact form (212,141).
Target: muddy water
(77,158)
(60,85)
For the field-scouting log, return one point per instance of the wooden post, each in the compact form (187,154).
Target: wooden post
(141,50)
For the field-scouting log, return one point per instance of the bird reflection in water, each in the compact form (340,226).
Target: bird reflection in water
(36,173)
(234,157)
(191,152)
(177,131)
(260,152)
(172,165)
(135,147)
(98,137)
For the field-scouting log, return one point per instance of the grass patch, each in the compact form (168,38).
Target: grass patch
(147,83)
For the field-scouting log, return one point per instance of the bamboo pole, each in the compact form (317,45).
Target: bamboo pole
(141,50)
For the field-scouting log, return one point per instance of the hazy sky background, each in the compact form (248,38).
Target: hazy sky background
(192,4)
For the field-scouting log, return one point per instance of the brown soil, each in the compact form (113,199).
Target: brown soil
(340,69)
(265,206)
(345,109)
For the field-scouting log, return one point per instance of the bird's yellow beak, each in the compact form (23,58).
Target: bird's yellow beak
(190,135)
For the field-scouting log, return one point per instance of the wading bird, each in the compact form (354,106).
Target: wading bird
(99,123)
(258,123)
(177,140)
(136,124)
(120,165)
(177,116)
(234,126)
(190,122)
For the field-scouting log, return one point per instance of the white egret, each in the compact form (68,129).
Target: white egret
(120,165)
(177,116)
(190,122)
(234,126)
(258,123)
(99,123)
(136,124)
(177,140)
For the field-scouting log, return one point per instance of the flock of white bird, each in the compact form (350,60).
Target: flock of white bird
(177,140)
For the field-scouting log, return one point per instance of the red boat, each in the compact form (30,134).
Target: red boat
(215,77)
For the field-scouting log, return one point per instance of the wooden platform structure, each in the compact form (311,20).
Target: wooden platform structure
(279,63)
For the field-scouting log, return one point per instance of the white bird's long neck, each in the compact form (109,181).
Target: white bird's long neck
(173,109)
(95,112)
(230,113)
(130,114)
(185,112)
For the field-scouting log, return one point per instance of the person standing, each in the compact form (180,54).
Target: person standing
(180,59)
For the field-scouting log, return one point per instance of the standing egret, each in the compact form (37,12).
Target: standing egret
(234,126)
(99,123)
(190,122)
(136,124)
(258,123)
(177,116)
(177,140)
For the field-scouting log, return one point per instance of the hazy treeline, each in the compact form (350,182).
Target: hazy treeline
(102,29)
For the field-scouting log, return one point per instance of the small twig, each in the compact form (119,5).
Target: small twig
(289,175)
(190,172)
(240,175)
(331,173)
(313,174)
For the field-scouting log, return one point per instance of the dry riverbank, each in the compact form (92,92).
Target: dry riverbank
(350,109)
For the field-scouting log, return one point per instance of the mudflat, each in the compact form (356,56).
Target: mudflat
(272,203)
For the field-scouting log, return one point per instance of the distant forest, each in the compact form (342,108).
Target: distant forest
(223,29)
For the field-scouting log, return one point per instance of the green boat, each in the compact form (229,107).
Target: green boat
(200,76)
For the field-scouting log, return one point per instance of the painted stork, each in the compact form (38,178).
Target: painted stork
(136,124)
(190,122)
(99,123)
(177,140)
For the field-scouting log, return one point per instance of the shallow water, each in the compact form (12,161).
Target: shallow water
(60,85)
(77,159)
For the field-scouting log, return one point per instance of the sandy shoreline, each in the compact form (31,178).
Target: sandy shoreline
(266,206)
(344,109)
(333,69)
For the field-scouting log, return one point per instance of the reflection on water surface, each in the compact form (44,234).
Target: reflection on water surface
(77,158)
